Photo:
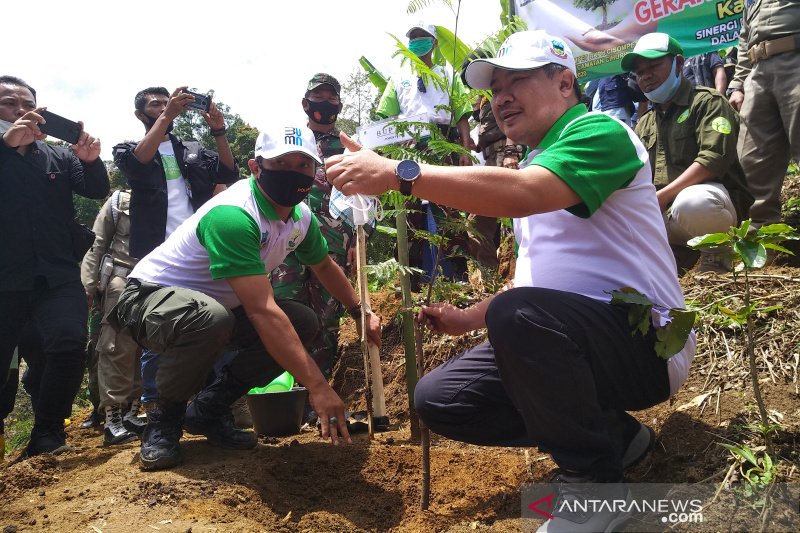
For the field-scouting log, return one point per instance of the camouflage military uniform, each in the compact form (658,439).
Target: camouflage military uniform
(293,280)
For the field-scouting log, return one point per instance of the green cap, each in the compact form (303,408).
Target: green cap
(652,46)
(324,79)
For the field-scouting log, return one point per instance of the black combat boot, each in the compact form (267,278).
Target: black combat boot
(47,438)
(160,440)
(210,414)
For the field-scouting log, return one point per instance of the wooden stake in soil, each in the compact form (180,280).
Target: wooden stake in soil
(425,433)
(376,402)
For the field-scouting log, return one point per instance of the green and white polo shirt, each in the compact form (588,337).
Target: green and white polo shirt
(236,233)
(615,237)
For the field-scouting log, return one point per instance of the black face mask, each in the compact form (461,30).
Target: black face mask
(286,187)
(152,122)
(322,112)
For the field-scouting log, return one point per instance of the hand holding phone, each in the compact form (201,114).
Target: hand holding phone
(202,102)
(60,127)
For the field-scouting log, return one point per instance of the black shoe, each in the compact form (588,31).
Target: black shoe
(50,440)
(210,414)
(161,437)
(218,428)
(92,421)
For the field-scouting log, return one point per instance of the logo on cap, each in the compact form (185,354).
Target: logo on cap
(292,136)
(504,51)
(557,49)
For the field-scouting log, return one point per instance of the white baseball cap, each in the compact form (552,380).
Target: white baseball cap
(430,29)
(525,50)
(280,140)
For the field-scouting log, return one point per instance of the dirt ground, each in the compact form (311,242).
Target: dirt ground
(301,483)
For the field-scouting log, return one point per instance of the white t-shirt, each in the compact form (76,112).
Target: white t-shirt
(236,233)
(179,206)
(616,237)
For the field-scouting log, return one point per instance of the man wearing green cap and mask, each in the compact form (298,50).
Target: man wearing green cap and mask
(690,135)
(448,106)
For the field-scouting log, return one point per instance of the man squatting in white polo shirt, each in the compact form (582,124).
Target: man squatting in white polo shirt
(205,290)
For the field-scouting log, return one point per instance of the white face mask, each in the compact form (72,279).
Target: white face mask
(5,126)
(664,92)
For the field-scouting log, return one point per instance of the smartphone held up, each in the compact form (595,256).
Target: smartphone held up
(202,102)
(60,127)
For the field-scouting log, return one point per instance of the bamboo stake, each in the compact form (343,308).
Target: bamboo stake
(363,294)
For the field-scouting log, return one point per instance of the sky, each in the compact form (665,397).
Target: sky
(87,59)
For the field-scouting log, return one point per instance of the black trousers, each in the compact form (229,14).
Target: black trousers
(555,365)
(59,314)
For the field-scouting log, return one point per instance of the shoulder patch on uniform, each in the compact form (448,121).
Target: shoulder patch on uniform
(721,125)
(683,116)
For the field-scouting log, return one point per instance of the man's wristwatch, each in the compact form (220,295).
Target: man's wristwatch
(730,91)
(407,171)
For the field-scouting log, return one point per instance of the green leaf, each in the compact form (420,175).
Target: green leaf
(767,462)
(671,338)
(712,239)
(453,49)
(639,317)
(638,310)
(629,295)
(753,254)
(778,229)
(778,247)
(743,229)
(742,452)
(388,230)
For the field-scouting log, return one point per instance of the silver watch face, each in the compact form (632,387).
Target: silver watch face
(408,170)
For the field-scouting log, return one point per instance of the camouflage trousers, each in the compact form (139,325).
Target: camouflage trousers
(294,281)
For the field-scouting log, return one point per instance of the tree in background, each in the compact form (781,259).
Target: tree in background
(591,5)
(360,99)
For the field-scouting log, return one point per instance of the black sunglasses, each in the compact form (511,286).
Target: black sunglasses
(421,85)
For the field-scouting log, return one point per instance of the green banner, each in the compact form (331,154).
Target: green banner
(600,32)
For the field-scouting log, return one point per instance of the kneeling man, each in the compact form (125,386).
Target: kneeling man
(205,290)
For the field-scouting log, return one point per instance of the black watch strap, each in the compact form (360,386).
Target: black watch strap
(405,187)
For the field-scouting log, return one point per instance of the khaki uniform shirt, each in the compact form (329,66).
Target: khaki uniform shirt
(763,20)
(699,126)
(112,235)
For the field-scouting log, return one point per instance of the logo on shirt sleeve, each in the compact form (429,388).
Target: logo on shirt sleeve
(721,125)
